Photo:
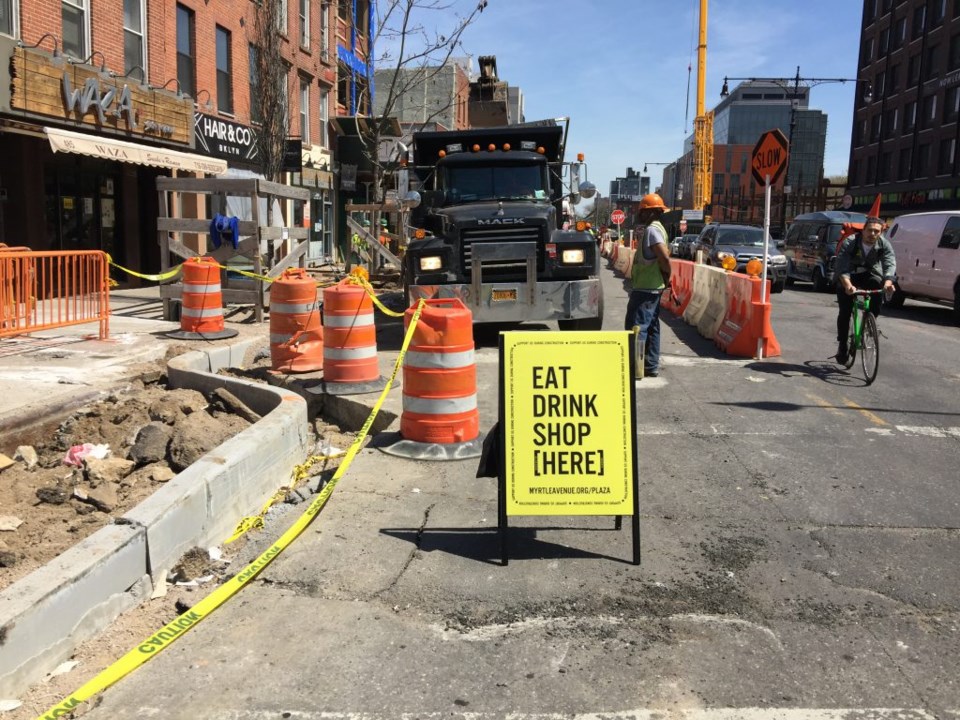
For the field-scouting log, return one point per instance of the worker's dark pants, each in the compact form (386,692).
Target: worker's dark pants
(643,309)
(861,281)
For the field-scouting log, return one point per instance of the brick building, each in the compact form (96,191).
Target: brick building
(98,98)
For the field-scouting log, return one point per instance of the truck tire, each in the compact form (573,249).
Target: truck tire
(594,323)
(819,281)
(777,287)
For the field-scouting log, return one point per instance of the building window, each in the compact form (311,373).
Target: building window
(343,88)
(899,33)
(939,9)
(953,61)
(913,71)
(884,41)
(903,164)
(923,160)
(224,71)
(929,114)
(893,80)
(945,157)
(305,111)
(870,11)
(931,65)
(9,12)
(305,24)
(718,182)
(254,79)
(951,104)
(324,117)
(890,122)
(134,40)
(867,53)
(884,169)
(282,17)
(879,84)
(185,50)
(919,20)
(343,10)
(854,173)
(875,128)
(870,179)
(75,20)
(324,31)
(909,116)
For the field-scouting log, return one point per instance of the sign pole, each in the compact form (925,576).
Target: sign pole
(766,246)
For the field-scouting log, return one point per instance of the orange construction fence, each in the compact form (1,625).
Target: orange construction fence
(52,289)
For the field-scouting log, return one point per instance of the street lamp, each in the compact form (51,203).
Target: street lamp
(786,84)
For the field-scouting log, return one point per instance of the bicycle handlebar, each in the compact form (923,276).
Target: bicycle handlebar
(866,292)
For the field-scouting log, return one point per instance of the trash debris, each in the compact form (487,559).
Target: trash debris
(160,586)
(6,705)
(76,454)
(62,669)
(9,523)
(325,449)
(5,462)
(27,455)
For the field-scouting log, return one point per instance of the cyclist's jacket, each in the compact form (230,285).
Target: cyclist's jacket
(853,259)
(645,274)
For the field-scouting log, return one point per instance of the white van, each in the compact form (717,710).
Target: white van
(927,246)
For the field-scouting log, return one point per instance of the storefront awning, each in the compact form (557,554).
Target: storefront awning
(123,151)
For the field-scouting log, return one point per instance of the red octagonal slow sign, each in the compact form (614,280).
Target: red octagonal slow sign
(770,156)
(617,217)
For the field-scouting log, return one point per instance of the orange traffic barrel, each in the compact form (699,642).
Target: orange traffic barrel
(350,362)
(296,337)
(440,376)
(201,311)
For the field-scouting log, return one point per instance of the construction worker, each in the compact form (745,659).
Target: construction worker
(384,233)
(649,275)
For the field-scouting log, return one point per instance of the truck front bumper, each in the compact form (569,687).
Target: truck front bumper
(521,301)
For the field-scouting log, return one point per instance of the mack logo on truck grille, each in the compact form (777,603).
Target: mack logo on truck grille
(502,221)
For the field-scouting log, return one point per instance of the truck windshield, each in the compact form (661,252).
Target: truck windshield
(745,237)
(501,182)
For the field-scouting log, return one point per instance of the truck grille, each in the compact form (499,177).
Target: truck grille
(503,269)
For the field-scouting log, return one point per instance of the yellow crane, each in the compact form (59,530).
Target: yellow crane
(702,125)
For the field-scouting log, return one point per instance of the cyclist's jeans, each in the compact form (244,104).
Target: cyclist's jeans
(643,309)
(861,282)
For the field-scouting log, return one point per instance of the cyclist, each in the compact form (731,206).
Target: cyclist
(865,261)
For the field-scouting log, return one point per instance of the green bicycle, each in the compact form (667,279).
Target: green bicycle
(864,336)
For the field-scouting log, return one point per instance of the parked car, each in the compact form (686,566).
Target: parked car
(743,243)
(687,242)
(927,246)
(811,246)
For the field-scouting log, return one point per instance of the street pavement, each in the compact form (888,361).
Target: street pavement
(799,545)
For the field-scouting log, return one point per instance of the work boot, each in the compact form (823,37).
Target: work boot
(842,353)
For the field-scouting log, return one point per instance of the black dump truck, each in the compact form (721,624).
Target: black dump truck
(490,228)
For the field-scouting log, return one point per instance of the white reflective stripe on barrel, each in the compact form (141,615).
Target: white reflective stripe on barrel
(439,406)
(204,289)
(201,312)
(348,320)
(417,359)
(291,308)
(330,353)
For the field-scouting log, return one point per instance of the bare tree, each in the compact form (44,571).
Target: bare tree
(270,91)
(416,55)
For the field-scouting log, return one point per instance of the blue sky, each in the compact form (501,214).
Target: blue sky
(618,68)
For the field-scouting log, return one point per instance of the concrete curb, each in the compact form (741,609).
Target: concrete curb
(47,614)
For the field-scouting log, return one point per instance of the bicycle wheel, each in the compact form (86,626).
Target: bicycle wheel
(870,352)
(851,344)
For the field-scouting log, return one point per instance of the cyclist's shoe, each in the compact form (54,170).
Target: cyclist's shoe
(842,355)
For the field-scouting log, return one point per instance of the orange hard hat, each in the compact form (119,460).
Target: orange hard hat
(652,202)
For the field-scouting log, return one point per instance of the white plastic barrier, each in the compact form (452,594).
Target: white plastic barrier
(700,298)
(715,285)
(624,261)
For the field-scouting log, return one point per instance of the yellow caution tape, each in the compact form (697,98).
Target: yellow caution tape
(256,521)
(172,631)
(155,278)
(355,280)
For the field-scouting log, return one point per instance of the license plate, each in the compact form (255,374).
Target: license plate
(500,295)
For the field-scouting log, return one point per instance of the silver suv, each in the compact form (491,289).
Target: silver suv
(743,243)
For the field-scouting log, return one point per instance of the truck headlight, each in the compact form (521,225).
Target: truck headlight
(572,257)
(778,259)
(430,262)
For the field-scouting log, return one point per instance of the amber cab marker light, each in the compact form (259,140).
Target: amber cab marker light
(420,234)
(491,147)
(579,157)
(476,148)
(581,226)
(442,153)
(506,147)
(541,150)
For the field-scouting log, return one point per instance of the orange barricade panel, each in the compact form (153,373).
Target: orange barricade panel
(746,320)
(50,289)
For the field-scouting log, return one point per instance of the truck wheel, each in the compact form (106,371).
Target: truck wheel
(956,302)
(777,287)
(819,281)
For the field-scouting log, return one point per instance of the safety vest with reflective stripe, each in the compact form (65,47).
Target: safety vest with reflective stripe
(645,274)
